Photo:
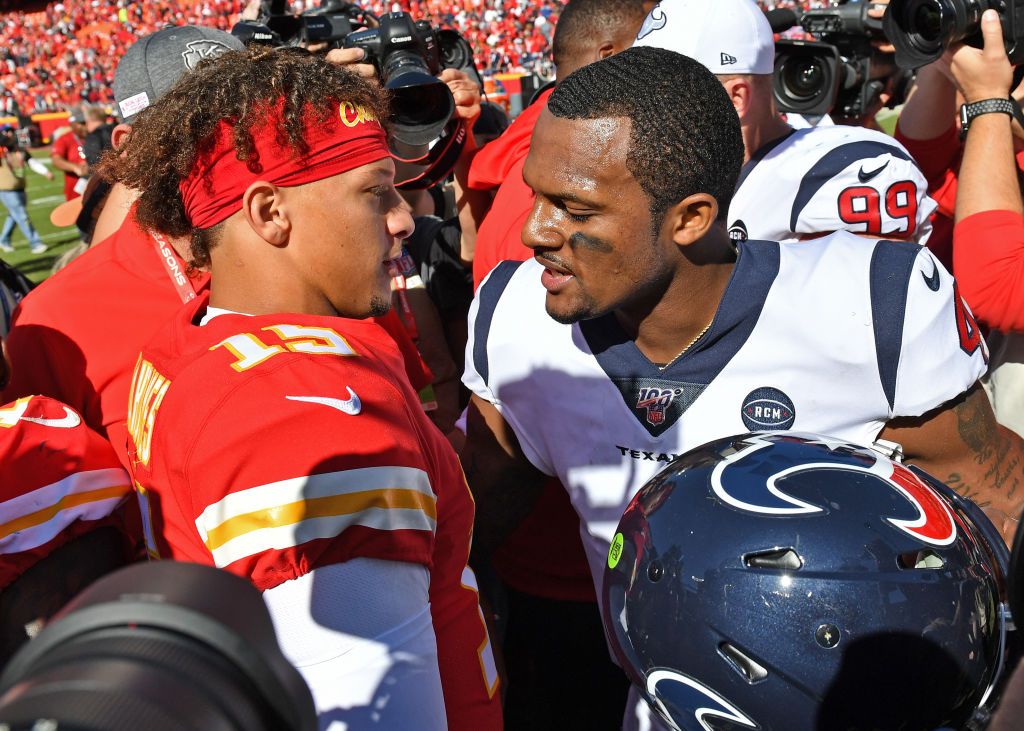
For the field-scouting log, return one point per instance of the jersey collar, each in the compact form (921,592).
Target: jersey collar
(657,398)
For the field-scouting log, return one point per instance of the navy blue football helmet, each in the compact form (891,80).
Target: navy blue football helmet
(791,582)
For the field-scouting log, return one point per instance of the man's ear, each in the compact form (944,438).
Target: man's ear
(266,212)
(691,219)
(606,49)
(741,92)
(119,135)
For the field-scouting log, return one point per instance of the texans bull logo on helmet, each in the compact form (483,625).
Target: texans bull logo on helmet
(741,482)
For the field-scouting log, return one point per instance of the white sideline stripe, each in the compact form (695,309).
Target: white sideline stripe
(289,536)
(329,484)
(45,201)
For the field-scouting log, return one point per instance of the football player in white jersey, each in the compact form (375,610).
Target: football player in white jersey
(638,333)
(795,183)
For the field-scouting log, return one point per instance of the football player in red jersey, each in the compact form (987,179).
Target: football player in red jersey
(61,490)
(273,431)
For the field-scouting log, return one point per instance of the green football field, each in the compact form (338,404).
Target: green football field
(43,196)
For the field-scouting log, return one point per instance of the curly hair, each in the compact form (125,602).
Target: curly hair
(242,87)
(685,135)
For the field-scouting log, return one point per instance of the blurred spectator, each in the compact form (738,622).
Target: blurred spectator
(98,137)
(13,163)
(68,155)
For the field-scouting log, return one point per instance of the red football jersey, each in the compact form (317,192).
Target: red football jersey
(58,480)
(269,446)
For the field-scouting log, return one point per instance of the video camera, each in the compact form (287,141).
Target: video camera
(841,73)
(921,30)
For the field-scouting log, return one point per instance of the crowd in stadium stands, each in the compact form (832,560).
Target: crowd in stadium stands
(66,54)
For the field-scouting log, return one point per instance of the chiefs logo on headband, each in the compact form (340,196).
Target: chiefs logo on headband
(354,114)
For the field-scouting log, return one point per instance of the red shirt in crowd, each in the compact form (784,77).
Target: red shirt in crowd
(498,166)
(69,147)
(77,336)
(543,556)
(984,251)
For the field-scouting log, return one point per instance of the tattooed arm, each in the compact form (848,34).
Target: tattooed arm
(961,444)
(503,482)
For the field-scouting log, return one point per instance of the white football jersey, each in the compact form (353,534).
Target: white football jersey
(833,336)
(834,178)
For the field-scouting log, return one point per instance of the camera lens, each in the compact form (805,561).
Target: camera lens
(927,22)
(803,78)
(922,29)
(420,111)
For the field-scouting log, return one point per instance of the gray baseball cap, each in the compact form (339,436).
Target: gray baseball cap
(154,63)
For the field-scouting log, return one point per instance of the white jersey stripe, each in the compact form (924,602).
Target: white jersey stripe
(290,536)
(310,487)
(32,519)
(47,496)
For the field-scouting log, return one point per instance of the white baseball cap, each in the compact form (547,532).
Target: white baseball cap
(726,36)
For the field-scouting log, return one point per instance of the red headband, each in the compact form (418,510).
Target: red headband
(212,192)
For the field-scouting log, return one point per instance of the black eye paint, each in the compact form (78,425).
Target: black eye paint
(578,240)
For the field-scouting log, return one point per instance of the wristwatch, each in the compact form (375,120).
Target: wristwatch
(986,106)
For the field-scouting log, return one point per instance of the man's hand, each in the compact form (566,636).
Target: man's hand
(983,73)
(877,10)
(466,93)
(351,58)
(251,11)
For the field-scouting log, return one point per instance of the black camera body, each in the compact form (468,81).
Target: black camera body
(840,73)
(399,41)
(276,27)
(408,56)
(921,30)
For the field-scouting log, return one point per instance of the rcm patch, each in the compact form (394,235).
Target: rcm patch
(767,408)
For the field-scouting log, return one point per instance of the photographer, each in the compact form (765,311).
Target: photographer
(13,161)
(988,240)
(977,186)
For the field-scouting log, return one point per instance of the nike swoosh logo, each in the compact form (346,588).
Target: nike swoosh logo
(933,280)
(352,405)
(69,421)
(864,176)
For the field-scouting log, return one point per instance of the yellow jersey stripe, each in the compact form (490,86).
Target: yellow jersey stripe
(322,507)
